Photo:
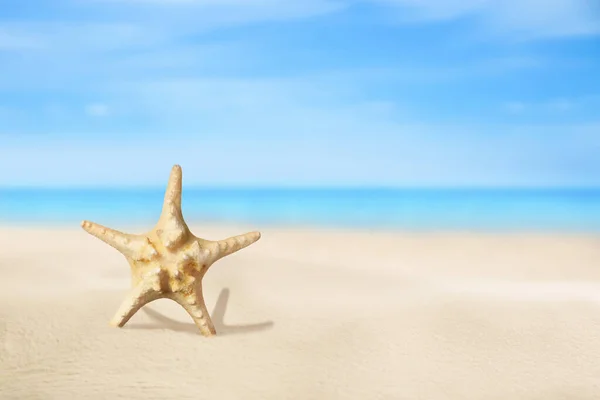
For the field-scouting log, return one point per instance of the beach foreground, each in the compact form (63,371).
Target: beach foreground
(309,314)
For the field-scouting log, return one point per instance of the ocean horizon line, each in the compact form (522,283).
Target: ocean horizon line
(401,207)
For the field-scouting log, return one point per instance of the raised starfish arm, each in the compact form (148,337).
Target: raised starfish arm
(171,229)
(173,192)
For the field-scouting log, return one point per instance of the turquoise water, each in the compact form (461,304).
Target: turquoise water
(573,210)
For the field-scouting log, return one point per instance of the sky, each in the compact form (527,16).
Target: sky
(300,93)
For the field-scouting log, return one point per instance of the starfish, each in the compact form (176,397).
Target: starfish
(169,261)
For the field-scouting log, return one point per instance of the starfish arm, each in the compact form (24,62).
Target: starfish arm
(171,228)
(194,304)
(225,247)
(173,192)
(132,246)
(136,299)
(114,238)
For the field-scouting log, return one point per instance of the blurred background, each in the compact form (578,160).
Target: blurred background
(440,114)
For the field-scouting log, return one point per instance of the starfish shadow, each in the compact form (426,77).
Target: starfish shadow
(217,317)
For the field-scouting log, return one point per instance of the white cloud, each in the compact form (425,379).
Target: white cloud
(517,19)
(207,14)
(561,105)
(83,37)
(392,154)
(545,18)
(434,10)
(123,38)
(301,132)
(329,99)
(10,40)
(145,24)
(515,107)
(97,110)
(554,105)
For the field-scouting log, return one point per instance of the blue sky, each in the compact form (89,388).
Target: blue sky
(311,92)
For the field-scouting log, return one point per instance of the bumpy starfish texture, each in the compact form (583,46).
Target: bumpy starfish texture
(169,261)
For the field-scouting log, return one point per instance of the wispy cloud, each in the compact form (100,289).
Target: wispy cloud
(331,96)
(205,15)
(401,154)
(97,110)
(324,101)
(64,36)
(10,40)
(515,107)
(435,10)
(559,105)
(518,19)
(545,18)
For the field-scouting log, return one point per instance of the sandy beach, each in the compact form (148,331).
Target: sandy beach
(309,314)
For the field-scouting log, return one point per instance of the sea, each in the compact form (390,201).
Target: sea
(573,210)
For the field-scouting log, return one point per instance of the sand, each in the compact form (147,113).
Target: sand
(310,314)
